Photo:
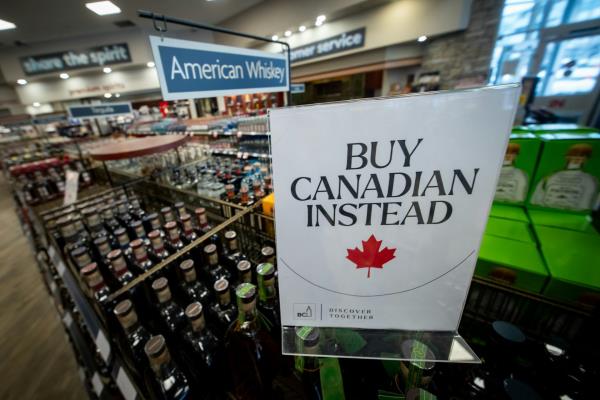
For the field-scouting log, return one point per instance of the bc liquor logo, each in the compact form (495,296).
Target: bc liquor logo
(370,256)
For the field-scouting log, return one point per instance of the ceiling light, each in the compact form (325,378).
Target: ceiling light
(274,37)
(150,64)
(4,25)
(107,70)
(36,104)
(64,75)
(103,7)
(22,81)
(422,38)
(107,95)
(117,95)
(302,28)
(320,19)
(288,33)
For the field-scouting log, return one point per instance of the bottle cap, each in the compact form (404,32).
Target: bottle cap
(89,269)
(244,265)
(170,225)
(154,234)
(580,150)
(194,310)
(266,270)
(123,308)
(246,292)
(210,248)
(155,346)
(136,243)
(308,335)
(114,254)
(200,210)
(267,251)
(160,284)
(184,217)
(186,265)
(230,235)
(135,224)
(221,285)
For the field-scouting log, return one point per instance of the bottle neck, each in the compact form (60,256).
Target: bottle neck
(247,314)
(267,293)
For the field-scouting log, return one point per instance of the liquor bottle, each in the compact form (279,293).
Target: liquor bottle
(140,256)
(95,283)
(138,231)
(214,271)
(158,246)
(180,208)
(244,196)
(229,197)
(69,240)
(194,290)
(268,304)
(167,214)
(81,257)
(232,253)
(224,310)
(202,221)
(268,184)
(188,229)
(572,188)
(103,247)
(172,382)
(135,208)
(203,343)
(123,213)
(119,268)
(123,241)
(136,336)
(154,223)
(174,244)
(512,185)
(308,368)
(416,372)
(171,313)
(94,222)
(244,272)
(248,343)
(267,254)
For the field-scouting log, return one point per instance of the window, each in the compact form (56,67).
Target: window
(568,67)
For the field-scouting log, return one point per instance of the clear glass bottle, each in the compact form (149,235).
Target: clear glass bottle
(170,312)
(172,382)
(214,271)
(248,343)
(119,268)
(224,310)
(194,290)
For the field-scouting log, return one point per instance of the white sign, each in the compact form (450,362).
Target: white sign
(382,204)
(71,187)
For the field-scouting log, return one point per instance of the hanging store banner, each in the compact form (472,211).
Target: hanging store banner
(100,110)
(189,69)
(382,204)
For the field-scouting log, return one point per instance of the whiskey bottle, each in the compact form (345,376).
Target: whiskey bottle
(267,254)
(180,208)
(81,257)
(244,272)
(123,241)
(268,304)
(244,196)
(223,310)
(308,368)
(135,208)
(203,343)
(119,267)
(136,335)
(94,222)
(202,221)
(214,271)
(154,223)
(138,231)
(167,214)
(248,343)
(171,313)
(158,246)
(188,229)
(175,244)
(170,379)
(193,289)
(110,222)
(140,256)
(95,283)
(232,253)
(123,212)
(102,249)
(512,184)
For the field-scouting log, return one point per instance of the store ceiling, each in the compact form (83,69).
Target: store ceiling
(46,20)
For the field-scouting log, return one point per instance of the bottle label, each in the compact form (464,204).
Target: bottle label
(202,221)
(139,231)
(104,249)
(157,244)
(119,266)
(213,258)
(140,253)
(187,227)
(233,244)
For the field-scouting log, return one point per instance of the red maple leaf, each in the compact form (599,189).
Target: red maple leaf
(370,256)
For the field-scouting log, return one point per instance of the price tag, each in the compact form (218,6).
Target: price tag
(71,187)
(97,384)
(125,385)
(103,346)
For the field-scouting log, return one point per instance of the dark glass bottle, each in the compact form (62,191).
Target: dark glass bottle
(267,254)
(232,253)
(154,223)
(81,257)
(268,303)
(138,231)
(158,246)
(136,335)
(188,229)
(244,272)
(119,268)
(167,214)
(68,232)
(248,343)
(174,238)
(308,368)
(180,208)
(110,222)
(140,256)
(170,379)
(224,310)
(102,249)
(203,343)
(193,289)
(95,283)
(170,312)
(94,222)
(202,221)
(244,197)
(123,241)
(214,271)
(123,212)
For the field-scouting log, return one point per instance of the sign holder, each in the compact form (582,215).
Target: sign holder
(179,21)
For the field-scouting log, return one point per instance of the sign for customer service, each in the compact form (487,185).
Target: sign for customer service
(382,204)
(188,69)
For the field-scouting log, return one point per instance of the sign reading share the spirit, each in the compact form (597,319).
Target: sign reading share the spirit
(382,204)
(189,69)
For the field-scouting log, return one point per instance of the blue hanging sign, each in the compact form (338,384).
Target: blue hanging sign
(100,110)
(188,69)
(297,88)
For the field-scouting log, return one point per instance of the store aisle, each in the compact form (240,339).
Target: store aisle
(37,360)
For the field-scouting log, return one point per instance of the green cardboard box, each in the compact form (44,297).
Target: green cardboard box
(508,211)
(518,169)
(512,263)
(509,229)
(541,129)
(568,173)
(573,260)
(563,220)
